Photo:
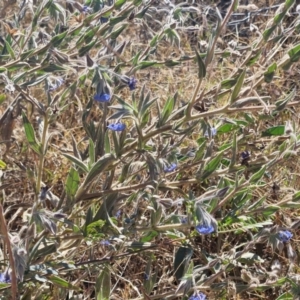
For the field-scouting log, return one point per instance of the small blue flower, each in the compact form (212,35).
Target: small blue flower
(58,83)
(117,126)
(245,155)
(171,168)
(198,296)
(4,277)
(205,229)
(103,20)
(105,243)
(86,9)
(102,97)
(146,276)
(184,220)
(213,132)
(285,235)
(118,214)
(132,83)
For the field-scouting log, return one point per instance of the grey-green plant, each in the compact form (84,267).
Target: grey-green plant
(167,191)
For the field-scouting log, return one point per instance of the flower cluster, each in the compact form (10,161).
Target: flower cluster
(285,235)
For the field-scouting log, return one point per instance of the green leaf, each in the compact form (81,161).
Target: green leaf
(2,164)
(72,183)
(145,64)
(91,152)
(182,260)
(288,4)
(77,162)
(32,82)
(296,196)
(107,142)
(286,296)
(116,20)
(168,109)
(294,53)
(135,59)
(211,166)
(29,132)
(10,50)
(200,151)
(154,40)
(276,130)
(228,83)
(117,32)
(57,39)
(88,37)
(201,66)
(235,5)
(238,86)
(267,33)
(281,104)
(52,68)
(100,166)
(172,63)
(102,288)
(253,59)
(270,210)
(234,152)
(228,127)
(119,3)
(269,74)
(149,236)
(258,175)
(83,50)
(62,283)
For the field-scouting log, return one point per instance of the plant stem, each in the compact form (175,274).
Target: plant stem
(42,157)
(14,286)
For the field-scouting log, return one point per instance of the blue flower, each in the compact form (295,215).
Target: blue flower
(170,168)
(4,277)
(118,214)
(86,9)
(205,229)
(198,296)
(132,83)
(58,83)
(245,155)
(285,235)
(102,97)
(184,220)
(213,132)
(117,126)
(105,243)
(103,20)
(146,276)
